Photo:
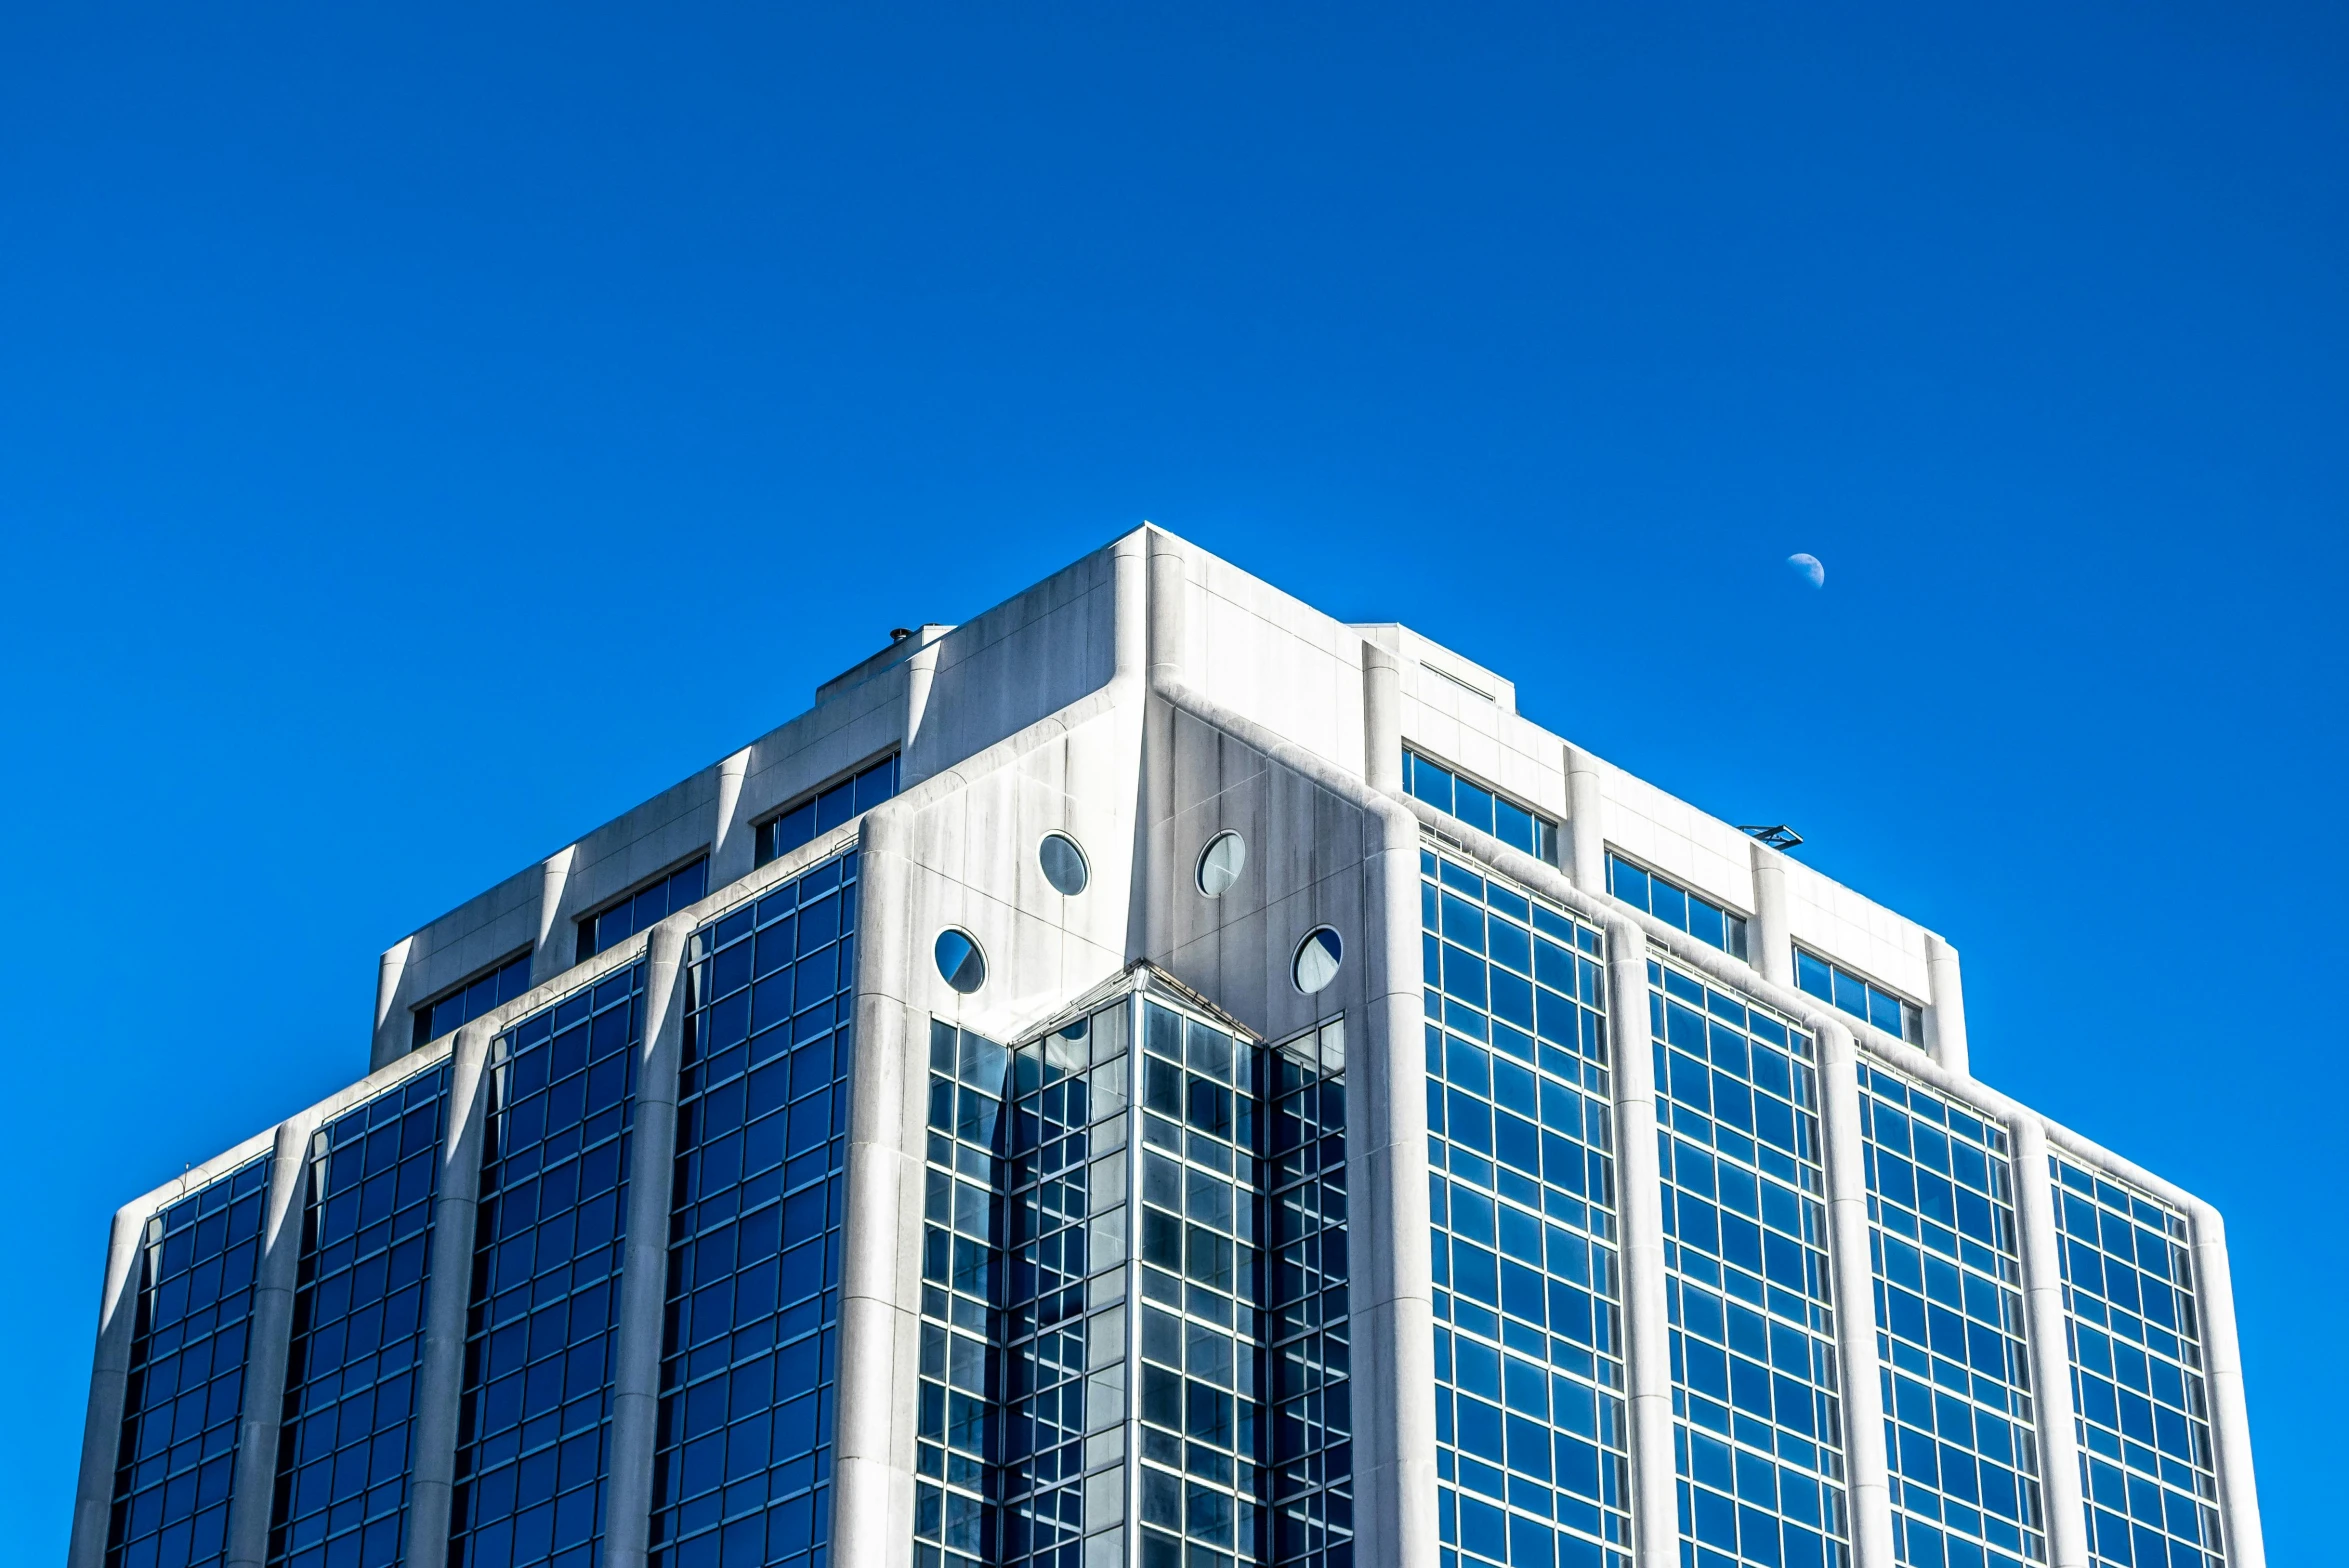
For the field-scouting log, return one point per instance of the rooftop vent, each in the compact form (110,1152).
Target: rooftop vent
(1777,834)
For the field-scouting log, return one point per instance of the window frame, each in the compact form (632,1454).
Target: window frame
(762,827)
(583,924)
(1741,950)
(1548,829)
(1912,1010)
(422,1011)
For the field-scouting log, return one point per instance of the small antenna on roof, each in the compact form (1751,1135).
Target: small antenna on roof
(1776,834)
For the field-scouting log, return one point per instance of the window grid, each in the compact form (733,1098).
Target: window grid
(959,1394)
(1308,1355)
(826,810)
(1201,1336)
(468,1002)
(187,1373)
(1486,810)
(2141,1410)
(1862,998)
(1062,1220)
(744,1462)
(1532,1464)
(532,1446)
(1958,1423)
(342,1454)
(1676,906)
(643,910)
(1759,1442)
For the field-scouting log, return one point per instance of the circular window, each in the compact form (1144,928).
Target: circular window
(1064,864)
(961,963)
(1318,957)
(1221,863)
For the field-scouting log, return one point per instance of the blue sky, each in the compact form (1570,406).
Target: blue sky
(425,432)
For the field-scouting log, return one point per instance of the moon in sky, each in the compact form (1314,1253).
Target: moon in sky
(1807,567)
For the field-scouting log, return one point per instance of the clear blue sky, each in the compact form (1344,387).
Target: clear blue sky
(425,432)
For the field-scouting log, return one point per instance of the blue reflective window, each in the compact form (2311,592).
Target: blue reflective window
(1673,904)
(2141,1408)
(469,1001)
(745,1463)
(1759,1437)
(1520,827)
(1532,1459)
(533,1442)
(187,1374)
(644,909)
(827,809)
(1957,1405)
(358,1329)
(1862,998)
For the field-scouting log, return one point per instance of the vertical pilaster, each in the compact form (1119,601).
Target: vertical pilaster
(1851,1260)
(255,1489)
(1586,833)
(557,948)
(1945,1017)
(2050,1346)
(1639,1208)
(921,670)
(118,1314)
(880,1284)
(1391,1290)
(1770,947)
(644,1255)
(393,1031)
(448,1294)
(2230,1420)
(1382,720)
(733,847)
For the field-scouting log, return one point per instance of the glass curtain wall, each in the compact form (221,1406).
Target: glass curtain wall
(532,1443)
(187,1375)
(1532,1464)
(2143,1413)
(1096,1388)
(1958,1421)
(358,1330)
(754,1253)
(1759,1442)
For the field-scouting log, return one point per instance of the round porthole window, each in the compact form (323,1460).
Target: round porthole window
(1064,864)
(1221,863)
(960,963)
(1318,957)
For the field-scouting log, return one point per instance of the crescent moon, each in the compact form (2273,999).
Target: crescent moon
(1806,566)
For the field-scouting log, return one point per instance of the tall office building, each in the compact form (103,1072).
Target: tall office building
(1156,1077)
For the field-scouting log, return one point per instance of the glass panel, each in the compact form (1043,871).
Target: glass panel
(1532,1458)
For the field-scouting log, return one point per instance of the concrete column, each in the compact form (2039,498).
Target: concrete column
(644,1254)
(921,670)
(1586,833)
(1866,1471)
(448,1301)
(1130,590)
(2230,1421)
(1771,941)
(1166,866)
(1391,1293)
(254,1492)
(2049,1344)
(118,1315)
(880,1267)
(1639,1205)
(1945,1016)
(733,847)
(557,948)
(1382,719)
(393,1032)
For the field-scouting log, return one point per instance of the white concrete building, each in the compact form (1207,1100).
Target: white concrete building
(1155,1075)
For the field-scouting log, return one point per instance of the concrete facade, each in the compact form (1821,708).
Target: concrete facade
(1143,703)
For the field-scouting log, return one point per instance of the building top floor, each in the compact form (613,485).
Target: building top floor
(938,694)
